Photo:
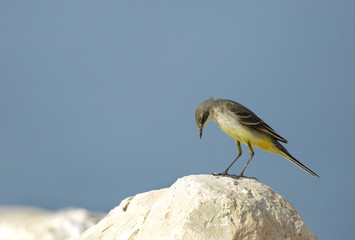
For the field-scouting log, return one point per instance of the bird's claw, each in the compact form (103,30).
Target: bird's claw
(224,174)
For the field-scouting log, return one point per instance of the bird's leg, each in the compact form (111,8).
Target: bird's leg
(225,173)
(239,154)
(251,156)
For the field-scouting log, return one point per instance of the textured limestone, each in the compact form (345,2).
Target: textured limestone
(203,207)
(37,224)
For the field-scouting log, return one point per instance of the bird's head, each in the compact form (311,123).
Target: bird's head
(202,114)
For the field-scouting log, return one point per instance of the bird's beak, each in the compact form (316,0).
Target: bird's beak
(201,130)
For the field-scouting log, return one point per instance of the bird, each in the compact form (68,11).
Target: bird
(245,127)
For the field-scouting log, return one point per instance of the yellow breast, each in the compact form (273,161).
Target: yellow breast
(230,125)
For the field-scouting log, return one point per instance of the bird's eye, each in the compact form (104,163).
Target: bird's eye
(204,117)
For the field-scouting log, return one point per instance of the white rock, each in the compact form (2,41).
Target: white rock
(203,207)
(37,224)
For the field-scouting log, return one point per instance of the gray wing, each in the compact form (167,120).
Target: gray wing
(249,119)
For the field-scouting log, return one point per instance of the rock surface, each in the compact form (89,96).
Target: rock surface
(37,224)
(203,207)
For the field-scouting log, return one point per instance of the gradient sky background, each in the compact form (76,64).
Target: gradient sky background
(97,99)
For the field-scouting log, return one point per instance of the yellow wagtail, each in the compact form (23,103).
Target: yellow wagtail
(245,127)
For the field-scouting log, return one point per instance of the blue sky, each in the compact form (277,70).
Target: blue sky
(97,99)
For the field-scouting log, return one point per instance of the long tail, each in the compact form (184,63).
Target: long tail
(289,157)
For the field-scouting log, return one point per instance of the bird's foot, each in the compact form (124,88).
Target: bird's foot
(225,174)
(242,176)
(220,174)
